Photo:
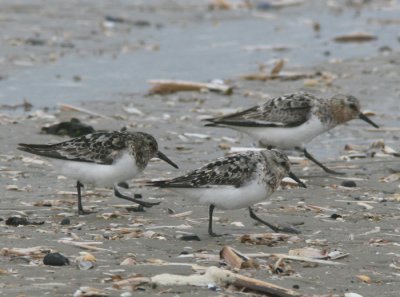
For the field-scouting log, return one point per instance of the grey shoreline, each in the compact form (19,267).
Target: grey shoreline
(366,225)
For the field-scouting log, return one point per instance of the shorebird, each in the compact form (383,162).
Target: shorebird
(236,181)
(102,159)
(293,120)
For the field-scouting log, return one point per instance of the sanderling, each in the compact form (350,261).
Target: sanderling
(102,159)
(291,121)
(235,181)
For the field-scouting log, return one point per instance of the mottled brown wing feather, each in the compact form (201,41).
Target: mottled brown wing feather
(81,149)
(233,170)
(286,111)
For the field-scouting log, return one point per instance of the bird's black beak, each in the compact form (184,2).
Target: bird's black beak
(166,159)
(367,119)
(297,180)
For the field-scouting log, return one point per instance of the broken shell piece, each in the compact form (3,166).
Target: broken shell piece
(235,259)
(364,278)
(352,295)
(89,292)
(129,261)
(390,178)
(86,261)
(12,188)
(309,253)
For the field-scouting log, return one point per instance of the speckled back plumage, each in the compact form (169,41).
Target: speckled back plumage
(284,111)
(99,147)
(234,170)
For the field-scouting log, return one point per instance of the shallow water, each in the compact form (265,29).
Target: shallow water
(209,47)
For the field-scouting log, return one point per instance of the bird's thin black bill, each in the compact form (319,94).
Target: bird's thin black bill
(368,120)
(166,159)
(297,180)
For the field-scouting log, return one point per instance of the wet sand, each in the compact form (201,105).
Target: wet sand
(367,227)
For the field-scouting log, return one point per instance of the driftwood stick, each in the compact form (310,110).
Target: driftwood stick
(82,245)
(165,86)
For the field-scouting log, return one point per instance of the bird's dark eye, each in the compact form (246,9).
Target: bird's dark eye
(283,163)
(353,106)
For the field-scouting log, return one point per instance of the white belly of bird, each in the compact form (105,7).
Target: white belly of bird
(286,138)
(121,170)
(228,197)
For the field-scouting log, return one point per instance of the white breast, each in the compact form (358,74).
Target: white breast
(122,169)
(228,197)
(286,138)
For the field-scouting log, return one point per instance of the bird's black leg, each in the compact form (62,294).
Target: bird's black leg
(274,228)
(79,185)
(326,169)
(136,200)
(210,214)
(125,185)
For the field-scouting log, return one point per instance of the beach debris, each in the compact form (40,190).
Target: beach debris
(237,260)
(311,79)
(17,221)
(181,215)
(25,105)
(218,277)
(89,245)
(89,292)
(220,5)
(85,261)
(12,188)
(269,239)
(188,237)
(73,128)
(381,147)
(120,20)
(278,67)
(350,294)
(298,258)
(348,184)
(214,277)
(69,108)
(390,178)
(132,110)
(355,37)
(165,86)
(364,278)
(55,259)
(375,149)
(130,261)
(278,4)
(65,221)
(35,252)
(309,252)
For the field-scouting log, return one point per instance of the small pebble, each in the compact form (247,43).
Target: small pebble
(16,221)
(335,216)
(348,184)
(296,287)
(65,221)
(189,237)
(55,259)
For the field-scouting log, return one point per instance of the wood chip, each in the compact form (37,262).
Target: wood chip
(164,86)
(67,107)
(235,259)
(220,277)
(278,67)
(355,37)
